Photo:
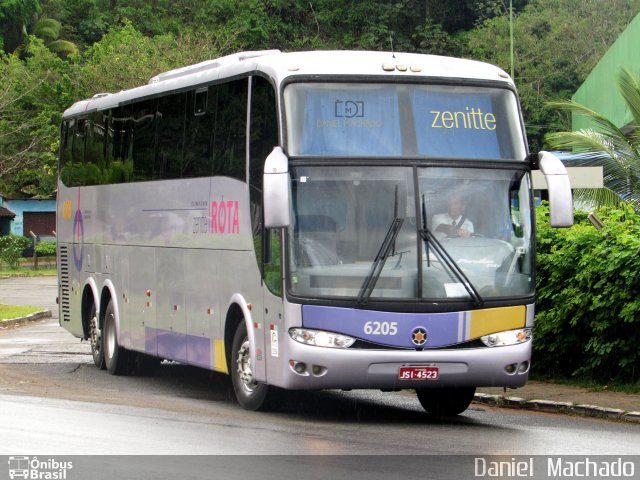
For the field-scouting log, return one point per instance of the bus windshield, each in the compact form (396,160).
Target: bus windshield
(392,120)
(365,232)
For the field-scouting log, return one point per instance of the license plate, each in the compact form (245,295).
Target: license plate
(418,373)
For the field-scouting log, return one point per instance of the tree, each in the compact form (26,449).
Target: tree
(607,145)
(48,29)
(556,44)
(33,94)
(126,58)
(15,16)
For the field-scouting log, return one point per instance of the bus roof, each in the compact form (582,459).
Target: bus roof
(280,66)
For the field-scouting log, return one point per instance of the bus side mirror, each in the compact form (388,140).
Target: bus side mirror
(275,191)
(559,188)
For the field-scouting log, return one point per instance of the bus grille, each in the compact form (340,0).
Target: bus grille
(63,256)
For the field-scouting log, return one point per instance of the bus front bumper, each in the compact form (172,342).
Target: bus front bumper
(309,367)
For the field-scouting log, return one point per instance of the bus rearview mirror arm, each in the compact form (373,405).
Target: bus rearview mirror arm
(559,188)
(276,196)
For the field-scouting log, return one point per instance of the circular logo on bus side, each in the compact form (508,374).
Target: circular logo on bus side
(419,336)
(78,237)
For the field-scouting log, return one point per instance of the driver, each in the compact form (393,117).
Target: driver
(453,222)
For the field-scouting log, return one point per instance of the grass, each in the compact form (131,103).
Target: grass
(46,266)
(8,312)
(612,386)
(27,272)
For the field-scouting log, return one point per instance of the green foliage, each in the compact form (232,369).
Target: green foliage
(15,15)
(48,29)
(11,248)
(588,310)
(126,58)
(33,94)
(556,44)
(46,248)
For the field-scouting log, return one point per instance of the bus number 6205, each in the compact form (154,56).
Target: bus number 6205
(381,328)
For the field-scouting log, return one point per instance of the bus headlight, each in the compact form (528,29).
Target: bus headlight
(320,338)
(510,337)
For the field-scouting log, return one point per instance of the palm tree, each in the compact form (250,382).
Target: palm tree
(617,151)
(48,29)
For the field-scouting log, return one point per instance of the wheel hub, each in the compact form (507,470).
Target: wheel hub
(245,372)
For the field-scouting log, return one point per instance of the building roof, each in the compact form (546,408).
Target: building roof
(6,213)
(599,92)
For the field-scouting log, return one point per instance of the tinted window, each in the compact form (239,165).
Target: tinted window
(171,117)
(229,133)
(143,148)
(188,134)
(200,121)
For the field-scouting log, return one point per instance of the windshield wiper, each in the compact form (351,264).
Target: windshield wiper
(430,239)
(381,258)
(388,245)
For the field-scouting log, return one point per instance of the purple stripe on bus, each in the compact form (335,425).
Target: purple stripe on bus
(192,349)
(150,341)
(199,351)
(385,328)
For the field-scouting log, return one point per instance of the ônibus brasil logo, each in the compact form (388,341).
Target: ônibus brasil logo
(33,468)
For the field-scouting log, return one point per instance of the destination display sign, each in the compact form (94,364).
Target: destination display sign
(354,120)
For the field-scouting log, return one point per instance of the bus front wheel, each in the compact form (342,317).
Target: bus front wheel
(115,356)
(445,402)
(250,394)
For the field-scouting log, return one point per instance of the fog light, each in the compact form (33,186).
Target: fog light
(298,367)
(523,368)
(511,368)
(317,370)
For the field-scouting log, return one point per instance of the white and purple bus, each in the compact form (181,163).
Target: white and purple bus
(310,220)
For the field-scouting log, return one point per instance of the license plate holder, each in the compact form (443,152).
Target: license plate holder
(419,373)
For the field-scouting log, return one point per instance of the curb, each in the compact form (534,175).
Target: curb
(557,407)
(23,320)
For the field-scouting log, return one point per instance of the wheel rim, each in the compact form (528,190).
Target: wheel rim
(111,338)
(244,370)
(94,335)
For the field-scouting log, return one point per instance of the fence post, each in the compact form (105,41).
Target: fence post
(35,254)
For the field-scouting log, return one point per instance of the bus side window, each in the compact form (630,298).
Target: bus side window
(264,136)
(199,125)
(273,261)
(118,154)
(79,138)
(94,151)
(171,123)
(229,133)
(143,148)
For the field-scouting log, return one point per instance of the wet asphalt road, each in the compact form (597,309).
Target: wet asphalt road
(54,401)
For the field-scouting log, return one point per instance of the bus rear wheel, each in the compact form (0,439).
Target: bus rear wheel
(445,402)
(250,394)
(115,356)
(95,338)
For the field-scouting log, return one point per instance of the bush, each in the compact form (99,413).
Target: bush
(11,248)
(588,310)
(46,248)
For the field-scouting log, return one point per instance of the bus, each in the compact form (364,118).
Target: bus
(277,217)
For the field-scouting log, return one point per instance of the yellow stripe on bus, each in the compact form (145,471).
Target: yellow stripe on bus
(220,359)
(492,320)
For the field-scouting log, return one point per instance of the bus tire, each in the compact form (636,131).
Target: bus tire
(95,338)
(250,394)
(115,356)
(445,402)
